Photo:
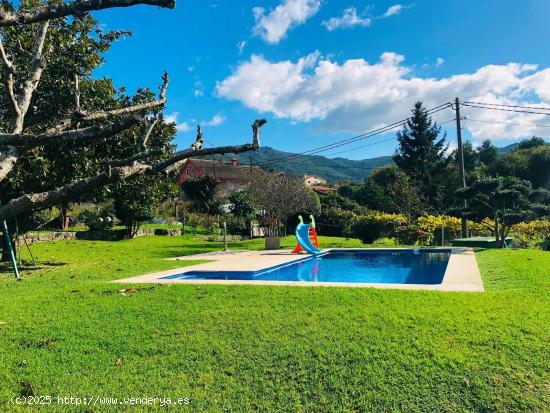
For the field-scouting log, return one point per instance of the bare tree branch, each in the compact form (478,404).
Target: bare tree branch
(131,109)
(8,154)
(77,92)
(22,49)
(43,200)
(91,132)
(199,141)
(82,116)
(180,157)
(54,11)
(29,86)
(9,80)
(149,126)
(136,157)
(8,158)
(5,60)
(127,168)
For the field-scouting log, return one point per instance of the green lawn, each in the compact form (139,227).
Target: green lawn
(64,330)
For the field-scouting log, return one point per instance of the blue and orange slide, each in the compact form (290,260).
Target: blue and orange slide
(306,237)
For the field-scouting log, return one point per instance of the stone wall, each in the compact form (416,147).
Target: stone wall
(113,235)
(33,237)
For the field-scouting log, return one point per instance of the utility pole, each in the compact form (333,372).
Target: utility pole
(460,152)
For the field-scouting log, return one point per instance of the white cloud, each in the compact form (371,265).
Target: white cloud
(357,96)
(199,89)
(348,19)
(217,120)
(180,126)
(393,10)
(439,62)
(241,45)
(273,27)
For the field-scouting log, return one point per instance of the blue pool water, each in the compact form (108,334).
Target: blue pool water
(422,266)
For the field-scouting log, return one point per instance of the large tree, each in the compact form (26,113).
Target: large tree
(422,155)
(530,161)
(204,193)
(63,134)
(487,153)
(280,196)
(505,200)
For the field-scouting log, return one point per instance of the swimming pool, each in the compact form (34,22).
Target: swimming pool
(400,266)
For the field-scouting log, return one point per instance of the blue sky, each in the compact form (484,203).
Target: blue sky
(324,70)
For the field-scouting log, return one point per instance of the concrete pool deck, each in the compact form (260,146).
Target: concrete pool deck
(462,273)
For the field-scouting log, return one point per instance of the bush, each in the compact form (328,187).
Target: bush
(203,223)
(40,219)
(484,228)
(367,229)
(371,227)
(136,201)
(412,234)
(95,220)
(236,225)
(428,225)
(533,234)
(336,222)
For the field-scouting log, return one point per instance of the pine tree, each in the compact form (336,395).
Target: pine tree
(488,153)
(421,155)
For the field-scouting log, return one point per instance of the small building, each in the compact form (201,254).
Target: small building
(310,180)
(230,175)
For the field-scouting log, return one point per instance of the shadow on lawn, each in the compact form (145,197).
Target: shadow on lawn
(29,266)
(170,251)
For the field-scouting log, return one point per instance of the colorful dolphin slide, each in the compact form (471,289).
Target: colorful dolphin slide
(306,237)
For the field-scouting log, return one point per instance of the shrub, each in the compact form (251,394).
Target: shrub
(428,225)
(97,220)
(203,223)
(40,219)
(236,225)
(367,229)
(535,233)
(336,222)
(484,227)
(412,234)
(371,227)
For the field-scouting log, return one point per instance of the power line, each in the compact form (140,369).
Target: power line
(507,110)
(356,138)
(375,143)
(447,121)
(348,141)
(507,106)
(360,147)
(508,123)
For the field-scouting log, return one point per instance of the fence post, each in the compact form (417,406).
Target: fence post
(225,236)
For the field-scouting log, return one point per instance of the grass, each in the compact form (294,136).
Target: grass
(64,330)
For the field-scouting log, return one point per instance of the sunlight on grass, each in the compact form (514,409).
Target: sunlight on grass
(64,330)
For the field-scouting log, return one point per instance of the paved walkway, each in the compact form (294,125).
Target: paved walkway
(462,272)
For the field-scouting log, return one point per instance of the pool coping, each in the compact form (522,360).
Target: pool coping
(462,272)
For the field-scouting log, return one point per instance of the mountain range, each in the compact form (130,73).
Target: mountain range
(332,169)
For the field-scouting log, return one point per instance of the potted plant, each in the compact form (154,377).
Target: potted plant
(272,238)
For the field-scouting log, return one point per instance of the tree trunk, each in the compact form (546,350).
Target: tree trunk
(63,215)
(497,234)
(503,234)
